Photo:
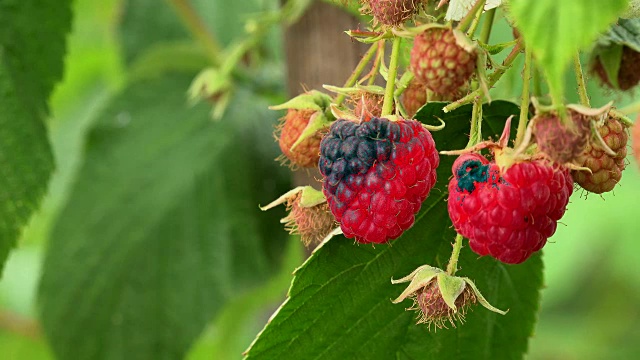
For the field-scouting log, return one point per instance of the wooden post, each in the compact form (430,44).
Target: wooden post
(319,52)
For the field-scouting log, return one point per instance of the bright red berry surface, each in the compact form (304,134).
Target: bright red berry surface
(508,216)
(376,176)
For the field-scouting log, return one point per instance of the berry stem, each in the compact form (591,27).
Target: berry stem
(582,88)
(196,25)
(387,105)
(492,79)
(403,83)
(375,69)
(621,116)
(630,109)
(475,135)
(537,81)
(487,26)
(466,21)
(524,100)
(452,267)
(357,72)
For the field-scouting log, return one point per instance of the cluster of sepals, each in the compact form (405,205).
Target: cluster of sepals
(378,165)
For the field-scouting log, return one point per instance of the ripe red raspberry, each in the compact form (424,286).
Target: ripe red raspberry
(414,97)
(510,215)
(628,74)
(376,176)
(392,12)
(635,135)
(606,169)
(305,154)
(560,142)
(439,62)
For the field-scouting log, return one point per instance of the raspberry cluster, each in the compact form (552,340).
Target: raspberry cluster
(376,175)
(507,215)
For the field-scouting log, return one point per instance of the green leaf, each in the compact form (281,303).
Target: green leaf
(162,227)
(339,304)
(32,47)
(624,32)
(556,30)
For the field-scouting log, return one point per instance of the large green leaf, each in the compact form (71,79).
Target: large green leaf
(339,303)
(162,226)
(556,30)
(32,46)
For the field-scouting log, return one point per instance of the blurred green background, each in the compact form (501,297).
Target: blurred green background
(590,304)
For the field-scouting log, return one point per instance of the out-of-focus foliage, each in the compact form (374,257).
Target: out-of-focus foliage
(589,305)
(30,65)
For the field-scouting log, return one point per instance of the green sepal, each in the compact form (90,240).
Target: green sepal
(419,278)
(312,100)
(481,298)
(374,89)
(209,82)
(311,197)
(450,288)
(318,121)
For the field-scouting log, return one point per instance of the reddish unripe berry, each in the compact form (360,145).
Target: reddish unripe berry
(439,62)
(367,106)
(628,74)
(414,97)
(305,154)
(561,142)
(507,215)
(635,134)
(393,12)
(376,176)
(606,170)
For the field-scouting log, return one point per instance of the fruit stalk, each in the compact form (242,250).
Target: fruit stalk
(582,88)
(195,24)
(466,21)
(452,267)
(387,105)
(524,102)
(487,26)
(475,135)
(492,79)
(357,72)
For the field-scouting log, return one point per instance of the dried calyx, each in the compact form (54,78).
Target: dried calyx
(441,299)
(309,214)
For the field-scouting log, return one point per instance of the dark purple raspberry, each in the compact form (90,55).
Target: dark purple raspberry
(376,175)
